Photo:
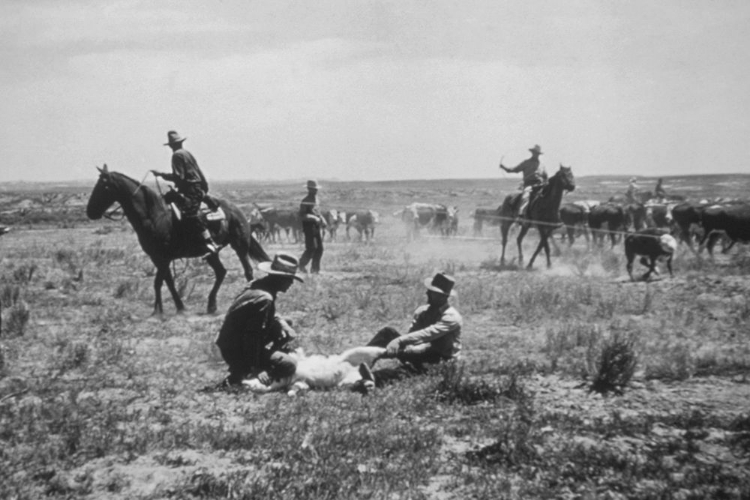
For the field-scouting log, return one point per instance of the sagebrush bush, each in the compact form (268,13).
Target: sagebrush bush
(614,365)
(16,319)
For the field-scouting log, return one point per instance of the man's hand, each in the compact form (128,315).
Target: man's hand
(393,347)
(156,173)
(264,378)
(503,167)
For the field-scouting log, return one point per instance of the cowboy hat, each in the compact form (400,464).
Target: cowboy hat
(312,184)
(536,149)
(174,138)
(441,283)
(282,264)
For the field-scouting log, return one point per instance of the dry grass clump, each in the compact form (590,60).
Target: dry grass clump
(454,385)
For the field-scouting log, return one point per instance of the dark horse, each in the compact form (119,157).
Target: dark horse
(543,212)
(165,241)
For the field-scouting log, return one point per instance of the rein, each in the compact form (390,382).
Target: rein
(110,215)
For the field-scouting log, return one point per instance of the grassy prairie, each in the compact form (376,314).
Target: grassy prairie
(100,400)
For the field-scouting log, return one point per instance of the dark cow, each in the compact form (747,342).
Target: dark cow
(614,216)
(651,243)
(482,216)
(282,218)
(732,220)
(575,219)
(686,217)
(364,222)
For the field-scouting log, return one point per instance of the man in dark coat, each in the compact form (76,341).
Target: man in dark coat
(253,335)
(191,185)
(313,224)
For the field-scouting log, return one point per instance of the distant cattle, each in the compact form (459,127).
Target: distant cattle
(482,216)
(363,221)
(282,218)
(686,217)
(659,214)
(608,219)
(575,218)
(446,220)
(418,216)
(651,243)
(334,218)
(732,220)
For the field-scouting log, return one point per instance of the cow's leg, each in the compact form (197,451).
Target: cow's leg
(219,272)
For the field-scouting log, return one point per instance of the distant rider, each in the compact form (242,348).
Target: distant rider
(534,176)
(191,184)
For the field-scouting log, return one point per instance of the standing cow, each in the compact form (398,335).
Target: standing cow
(363,221)
(416,217)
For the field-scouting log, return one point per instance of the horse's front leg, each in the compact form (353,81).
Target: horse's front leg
(519,240)
(169,279)
(543,243)
(219,272)
(504,234)
(158,280)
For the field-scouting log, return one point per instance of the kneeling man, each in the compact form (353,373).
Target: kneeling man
(253,335)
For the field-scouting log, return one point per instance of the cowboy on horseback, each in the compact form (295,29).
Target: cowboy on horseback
(191,185)
(534,177)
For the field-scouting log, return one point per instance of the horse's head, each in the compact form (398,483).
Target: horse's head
(565,177)
(103,196)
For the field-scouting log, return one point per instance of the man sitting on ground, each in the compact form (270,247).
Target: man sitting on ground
(435,332)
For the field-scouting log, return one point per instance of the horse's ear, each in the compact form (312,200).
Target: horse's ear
(104,169)
(100,170)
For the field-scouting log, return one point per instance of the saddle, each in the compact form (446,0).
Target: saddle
(536,193)
(210,210)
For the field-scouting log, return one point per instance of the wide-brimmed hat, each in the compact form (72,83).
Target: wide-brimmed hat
(312,184)
(174,138)
(441,283)
(282,264)
(536,149)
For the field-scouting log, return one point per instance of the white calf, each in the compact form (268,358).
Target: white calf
(317,371)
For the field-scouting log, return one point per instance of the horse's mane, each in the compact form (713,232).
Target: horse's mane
(151,198)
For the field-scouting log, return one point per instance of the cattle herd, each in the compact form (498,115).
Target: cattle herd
(269,222)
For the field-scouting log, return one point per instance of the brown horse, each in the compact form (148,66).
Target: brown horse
(164,240)
(543,213)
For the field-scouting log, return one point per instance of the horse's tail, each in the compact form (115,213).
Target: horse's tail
(256,251)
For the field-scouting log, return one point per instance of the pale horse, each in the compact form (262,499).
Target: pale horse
(350,369)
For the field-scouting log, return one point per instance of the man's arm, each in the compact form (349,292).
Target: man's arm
(448,323)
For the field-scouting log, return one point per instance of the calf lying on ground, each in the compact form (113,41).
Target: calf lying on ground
(349,369)
(652,243)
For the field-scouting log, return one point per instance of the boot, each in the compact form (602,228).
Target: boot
(211,247)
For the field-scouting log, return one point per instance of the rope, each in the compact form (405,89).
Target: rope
(141,183)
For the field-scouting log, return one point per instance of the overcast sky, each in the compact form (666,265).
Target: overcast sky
(372,90)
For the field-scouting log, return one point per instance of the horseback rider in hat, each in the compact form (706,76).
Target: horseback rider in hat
(191,184)
(534,176)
